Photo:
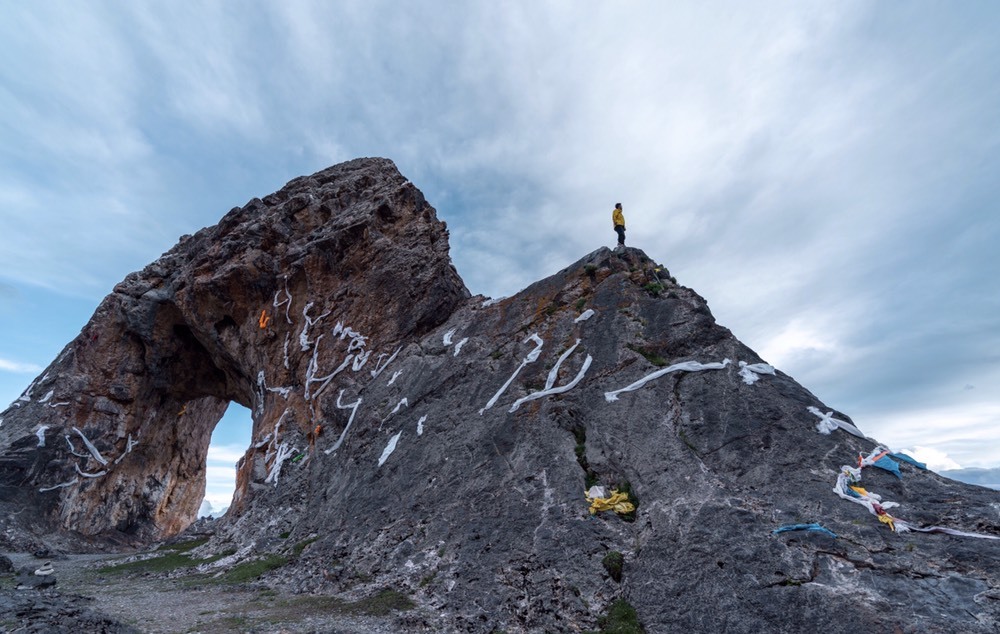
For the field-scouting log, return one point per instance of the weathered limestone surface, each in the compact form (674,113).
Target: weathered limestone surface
(152,372)
(384,437)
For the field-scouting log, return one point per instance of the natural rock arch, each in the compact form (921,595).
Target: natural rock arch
(127,410)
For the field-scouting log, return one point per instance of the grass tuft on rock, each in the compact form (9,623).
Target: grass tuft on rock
(299,547)
(251,570)
(652,357)
(653,288)
(183,547)
(382,603)
(175,558)
(614,562)
(626,487)
(621,619)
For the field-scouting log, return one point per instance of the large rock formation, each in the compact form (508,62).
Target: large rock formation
(120,423)
(440,444)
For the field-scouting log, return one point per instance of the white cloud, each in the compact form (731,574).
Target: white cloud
(963,434)
(75,160)
(20,368)
(226,454)
(214,506)
(821,172)
(219,486)
(801,340)
(201,59)
(935,459)
(219,473)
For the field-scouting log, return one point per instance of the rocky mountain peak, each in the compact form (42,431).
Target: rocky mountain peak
(236,312)
(515,464)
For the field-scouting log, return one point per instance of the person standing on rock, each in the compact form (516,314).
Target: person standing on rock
(618,218)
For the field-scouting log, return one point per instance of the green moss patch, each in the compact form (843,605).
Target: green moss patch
(650,356)
(653,288)
(183,547)
(251,570)
(626,487)
(621,619)
(299,547)
(174,559)
(614,563)
(382,603)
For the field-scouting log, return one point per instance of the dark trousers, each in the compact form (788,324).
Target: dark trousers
(621,234)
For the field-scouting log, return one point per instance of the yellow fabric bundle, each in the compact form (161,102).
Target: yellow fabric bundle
(887,519)
(617,502)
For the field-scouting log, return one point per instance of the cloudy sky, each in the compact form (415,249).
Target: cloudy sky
(825,174)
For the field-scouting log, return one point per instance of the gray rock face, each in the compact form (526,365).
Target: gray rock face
(411,437)
(46,613)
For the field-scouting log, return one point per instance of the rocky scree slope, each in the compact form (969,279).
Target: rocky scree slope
(410,436)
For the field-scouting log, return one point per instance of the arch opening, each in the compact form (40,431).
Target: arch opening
(230,440)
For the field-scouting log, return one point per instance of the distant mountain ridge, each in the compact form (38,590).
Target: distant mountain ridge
(975,475)
(521,464)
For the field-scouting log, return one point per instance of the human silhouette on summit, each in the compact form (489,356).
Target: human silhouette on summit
(618,218)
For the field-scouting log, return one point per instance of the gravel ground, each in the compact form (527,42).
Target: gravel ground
(155,603)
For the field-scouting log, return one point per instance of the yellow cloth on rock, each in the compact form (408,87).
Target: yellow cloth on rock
(887,519)
(617,502)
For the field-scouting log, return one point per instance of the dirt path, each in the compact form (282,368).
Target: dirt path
(141,595)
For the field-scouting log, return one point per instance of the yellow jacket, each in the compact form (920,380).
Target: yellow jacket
(618,217)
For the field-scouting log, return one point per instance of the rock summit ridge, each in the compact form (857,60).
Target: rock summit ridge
(418,438)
